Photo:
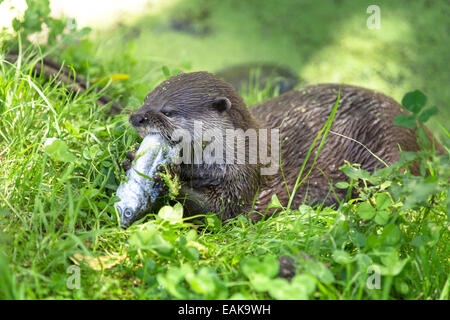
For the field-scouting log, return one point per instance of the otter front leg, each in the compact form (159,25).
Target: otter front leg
(203,182)
(199,178)
(193,201)
(131,155)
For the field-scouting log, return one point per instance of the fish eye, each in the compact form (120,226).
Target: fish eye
(128,213)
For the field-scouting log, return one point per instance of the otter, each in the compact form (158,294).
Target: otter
(364,117)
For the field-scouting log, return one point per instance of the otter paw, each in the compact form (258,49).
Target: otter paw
(160,185)
(173,169)
(157,178)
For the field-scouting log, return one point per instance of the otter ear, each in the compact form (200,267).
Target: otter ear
(222,104)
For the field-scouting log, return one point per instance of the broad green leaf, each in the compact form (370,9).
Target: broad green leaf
(405,120)
(355,173)
(341,257)
(305,283)
(92,152)
(274,202)
(58,150)
(372,241)
(393,269)
(213,223)
(191,253)
(342,185)
(178,208)
(391,235)
(420,241)
(382,200)
(414,101)
(382,217)
(260,282)
(306,210)
(300,288)
(320,271)
(203,282)
(191,235)
(393,265)
(402,287)
(426,114)
(421,190)
(281,290)
(363,261)
(172,214)
(358,238)
(171,282)
(268,266)
(366,211)
(150,239)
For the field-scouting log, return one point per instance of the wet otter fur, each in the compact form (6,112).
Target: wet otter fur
(231,189)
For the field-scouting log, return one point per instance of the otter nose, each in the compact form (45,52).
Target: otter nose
(137,119)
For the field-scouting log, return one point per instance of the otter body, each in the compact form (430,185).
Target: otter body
(362,115)
(231,189)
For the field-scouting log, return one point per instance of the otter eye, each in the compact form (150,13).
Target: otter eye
(167,113)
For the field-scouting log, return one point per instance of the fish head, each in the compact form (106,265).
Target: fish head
(128,214)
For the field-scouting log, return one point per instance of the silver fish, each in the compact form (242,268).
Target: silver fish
(138,193)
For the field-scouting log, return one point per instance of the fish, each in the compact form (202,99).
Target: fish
(139,191)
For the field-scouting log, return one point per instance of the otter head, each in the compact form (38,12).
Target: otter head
(180,101)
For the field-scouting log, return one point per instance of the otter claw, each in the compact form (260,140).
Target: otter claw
(162,188)
(171,169)
(157,178)
(174,169)
(126,165)
(131,155)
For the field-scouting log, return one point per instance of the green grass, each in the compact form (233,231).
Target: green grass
(56,199)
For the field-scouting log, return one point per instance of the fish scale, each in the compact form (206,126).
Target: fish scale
(138,192)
